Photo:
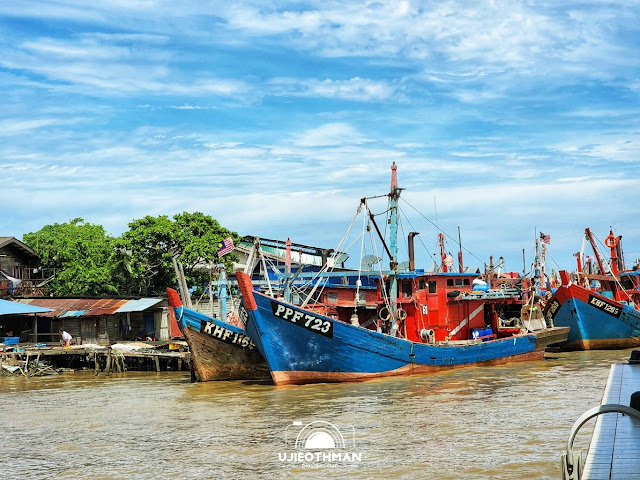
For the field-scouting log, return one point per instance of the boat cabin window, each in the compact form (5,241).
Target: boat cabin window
(432,287)
(422,284)
(627,283)
(406,289)
(449,282)
(345,280)
(332,297)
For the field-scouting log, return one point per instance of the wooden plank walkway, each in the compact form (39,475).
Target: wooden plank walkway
(614,452)
(113,359)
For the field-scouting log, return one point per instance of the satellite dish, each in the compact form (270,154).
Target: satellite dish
(403,267)
(368,261)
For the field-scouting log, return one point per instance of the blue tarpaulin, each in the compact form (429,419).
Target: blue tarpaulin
(16,308)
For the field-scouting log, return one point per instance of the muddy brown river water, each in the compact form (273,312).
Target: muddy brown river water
(503,422)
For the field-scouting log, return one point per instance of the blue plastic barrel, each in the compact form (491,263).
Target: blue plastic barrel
(480,332)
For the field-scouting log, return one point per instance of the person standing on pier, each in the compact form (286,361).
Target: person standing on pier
(66,338)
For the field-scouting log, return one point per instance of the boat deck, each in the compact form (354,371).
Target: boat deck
(614,452)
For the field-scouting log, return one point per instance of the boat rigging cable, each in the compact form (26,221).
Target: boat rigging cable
(356,297)
(326,267)
(439,229)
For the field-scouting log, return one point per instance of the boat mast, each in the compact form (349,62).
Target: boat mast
(222,293)
(460,252)
(592,241)
(443,253)
(394,194)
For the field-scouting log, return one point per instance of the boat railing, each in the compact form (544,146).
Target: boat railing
(572,460)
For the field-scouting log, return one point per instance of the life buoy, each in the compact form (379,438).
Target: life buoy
(611,241)
(401,314)
(384,314)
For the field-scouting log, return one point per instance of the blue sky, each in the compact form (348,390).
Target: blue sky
(505,117)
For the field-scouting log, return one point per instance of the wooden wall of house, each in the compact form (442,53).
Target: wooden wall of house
(72,326)
(14,262)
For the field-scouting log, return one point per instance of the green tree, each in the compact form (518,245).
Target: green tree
(82,255)
(149,244)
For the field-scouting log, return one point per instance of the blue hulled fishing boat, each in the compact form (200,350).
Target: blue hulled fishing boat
(602,309)
(219,350)
(427,323)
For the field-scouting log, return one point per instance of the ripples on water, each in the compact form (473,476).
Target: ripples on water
(502,422)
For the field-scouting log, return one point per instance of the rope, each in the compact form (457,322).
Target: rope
(333,257)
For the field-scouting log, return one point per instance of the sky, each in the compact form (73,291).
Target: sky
(505,118)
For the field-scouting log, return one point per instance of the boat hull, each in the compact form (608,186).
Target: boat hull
(596,322)
(219,351)
(302,347)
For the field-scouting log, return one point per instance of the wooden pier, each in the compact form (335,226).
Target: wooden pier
(614,452)
(102,359)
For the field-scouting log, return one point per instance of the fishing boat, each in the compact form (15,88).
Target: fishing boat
(424,323)
(219,350)
(600,302)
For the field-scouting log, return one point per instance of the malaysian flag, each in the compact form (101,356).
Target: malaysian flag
(225,246)
(448,260)
(545,238)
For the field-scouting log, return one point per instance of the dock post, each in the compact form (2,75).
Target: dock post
(95,361)
(157,363)
(108,367)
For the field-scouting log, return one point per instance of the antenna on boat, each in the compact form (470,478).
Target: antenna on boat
(460,251)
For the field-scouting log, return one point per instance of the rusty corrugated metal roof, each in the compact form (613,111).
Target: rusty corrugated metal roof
(58,305)
(73,307)
(107,306)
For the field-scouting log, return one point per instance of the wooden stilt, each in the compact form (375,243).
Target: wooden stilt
(95,360)
(179,364)
(157,363)
(108,367)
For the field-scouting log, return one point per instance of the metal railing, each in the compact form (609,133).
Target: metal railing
(572,461)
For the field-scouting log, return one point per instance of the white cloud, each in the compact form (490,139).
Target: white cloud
(355,89)
(329,134)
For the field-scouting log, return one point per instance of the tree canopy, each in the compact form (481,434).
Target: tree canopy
(90,262)
(82,255)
